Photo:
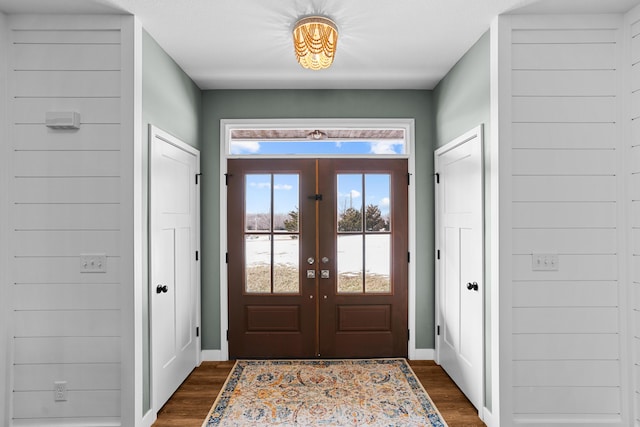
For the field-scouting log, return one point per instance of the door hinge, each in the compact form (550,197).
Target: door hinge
(438,330)
(227,335)
(437,175)
(197,175)
(408,178)
(197,331)
(408,256)
(226,257)
(438,254)
(197,256)
(226,178)
(408,334)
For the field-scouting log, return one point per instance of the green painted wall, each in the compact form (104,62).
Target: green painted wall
(462,101)
(261,104)
(173,103)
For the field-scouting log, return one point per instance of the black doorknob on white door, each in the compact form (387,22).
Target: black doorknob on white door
(472,286)
(161,289)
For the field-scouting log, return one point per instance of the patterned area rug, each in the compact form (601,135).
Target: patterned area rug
(372,392)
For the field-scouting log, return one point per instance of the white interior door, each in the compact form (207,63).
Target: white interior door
(175,279)
(460,284)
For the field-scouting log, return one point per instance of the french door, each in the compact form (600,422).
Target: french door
(317,257)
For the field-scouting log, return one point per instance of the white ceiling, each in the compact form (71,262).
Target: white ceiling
(382,44)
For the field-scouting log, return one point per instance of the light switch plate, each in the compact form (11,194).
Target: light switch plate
(93,263)
(545,262)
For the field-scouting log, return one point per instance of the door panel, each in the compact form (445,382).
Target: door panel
(326,277)
(363,308)
(460,289)
(174,278)
(271,302)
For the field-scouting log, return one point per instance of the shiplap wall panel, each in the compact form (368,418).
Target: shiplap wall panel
(570,267)
(564,215)
(84,403)
(564,162)
(104,84)
(67,190)
(564,135)
(564,83)
(565,347)
(70,350)
(567,400)
(564,188)
(67,57)
(65,242)
(88,137)
(569,55)
(66,200)
(565,183)
(89,376)
(92,110)
(554,373)
(67,163)
(565,294)
(565,320)
(62,323)
(67,296)
(536,36)
(62,36)
(60,269)
(564,109)
(87,216)
(564,241)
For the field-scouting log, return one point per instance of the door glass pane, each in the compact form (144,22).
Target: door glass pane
(257,249)
(349,202)
(285,203)
(377,200)
(286,256)
(258,203)
(349,263)
(377,263)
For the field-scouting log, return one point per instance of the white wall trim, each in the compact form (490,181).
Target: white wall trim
(500,176)
(148,419)
(488,418)
(133,223)
(225,129)
(213,356)
(423,354)
(5,304)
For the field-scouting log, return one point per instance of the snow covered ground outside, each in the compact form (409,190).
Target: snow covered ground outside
(349,253)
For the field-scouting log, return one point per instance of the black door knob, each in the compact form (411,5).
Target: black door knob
(161,289)
(472,286)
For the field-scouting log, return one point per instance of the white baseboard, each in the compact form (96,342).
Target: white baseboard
(212,356)
(489,419)
(148,419)
(424,354)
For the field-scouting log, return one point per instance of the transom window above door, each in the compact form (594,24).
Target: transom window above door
(362,138)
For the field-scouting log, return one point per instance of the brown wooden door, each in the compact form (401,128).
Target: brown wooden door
(317,258)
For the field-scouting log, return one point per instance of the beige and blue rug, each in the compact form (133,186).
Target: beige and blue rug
(371,392)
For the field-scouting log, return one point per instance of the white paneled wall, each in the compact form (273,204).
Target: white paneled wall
(69,194)
(567,362)
(632,62)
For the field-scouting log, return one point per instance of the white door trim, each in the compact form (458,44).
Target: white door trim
(225,129)
(475,133)
(154,133)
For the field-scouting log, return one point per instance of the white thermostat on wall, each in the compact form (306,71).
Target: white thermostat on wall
(63,119)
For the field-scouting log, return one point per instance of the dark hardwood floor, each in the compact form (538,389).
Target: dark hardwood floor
(190,404)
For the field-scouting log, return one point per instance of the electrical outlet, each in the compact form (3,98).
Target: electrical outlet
(545,262)
(60,391)
(93,263)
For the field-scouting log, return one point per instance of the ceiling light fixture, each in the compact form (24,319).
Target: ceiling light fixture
(315,39)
